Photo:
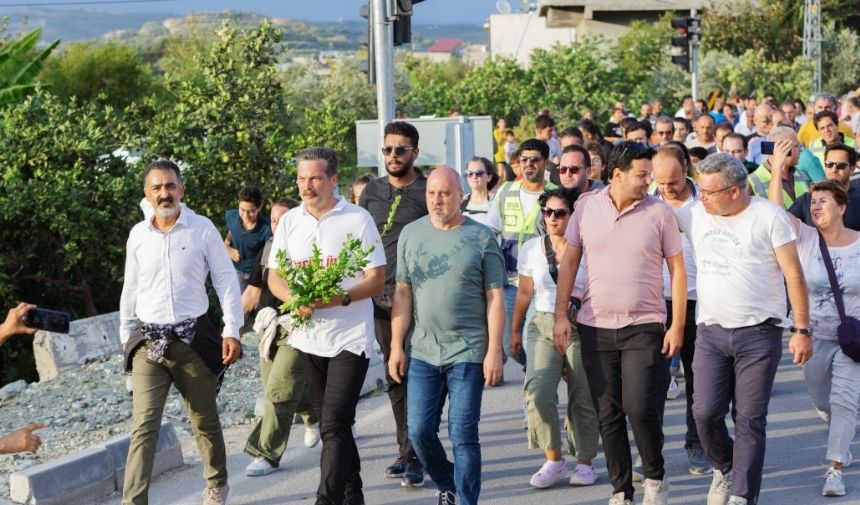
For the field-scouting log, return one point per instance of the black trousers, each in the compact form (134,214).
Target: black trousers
(396,392)
(334,385)
(691,438)
(627,375)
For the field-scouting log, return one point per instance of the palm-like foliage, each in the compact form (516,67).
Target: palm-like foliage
(18,66)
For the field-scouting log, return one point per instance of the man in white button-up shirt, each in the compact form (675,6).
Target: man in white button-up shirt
(166,336)
(337,341)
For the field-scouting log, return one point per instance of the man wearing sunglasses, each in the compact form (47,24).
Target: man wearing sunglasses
(514,213)
(574,170)
(838,166)
(626,235)
(403,184)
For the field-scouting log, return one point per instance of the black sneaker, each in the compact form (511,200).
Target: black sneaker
(396,469)
(414,474)
(447,498)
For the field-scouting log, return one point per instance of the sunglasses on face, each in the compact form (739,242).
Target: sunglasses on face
(475,173)
(838,165)
(558,213)
(530,159)
(397,150)
(573,169)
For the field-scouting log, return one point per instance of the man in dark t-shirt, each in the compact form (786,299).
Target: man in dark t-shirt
(395,201)
(838,166)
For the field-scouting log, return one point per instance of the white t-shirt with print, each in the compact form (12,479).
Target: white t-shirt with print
(335,329)
(738,280)
(823,316)
(689,257)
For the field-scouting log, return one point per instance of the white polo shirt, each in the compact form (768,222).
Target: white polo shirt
(336,329)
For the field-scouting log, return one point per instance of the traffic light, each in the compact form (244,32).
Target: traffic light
(402,14)
(689,31)
(368,65)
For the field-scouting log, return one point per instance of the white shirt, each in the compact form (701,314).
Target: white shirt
(165,275)
(532,263)
(738,280)
(687,247)
(335,329)
(823,315)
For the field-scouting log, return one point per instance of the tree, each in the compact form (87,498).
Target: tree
(228,127)
(19,67)
(66,204)
(87,71)
(494,88)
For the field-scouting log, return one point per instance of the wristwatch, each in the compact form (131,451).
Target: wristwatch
(346,300)
(801,331)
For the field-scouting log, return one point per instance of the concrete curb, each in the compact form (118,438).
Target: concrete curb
(89,474)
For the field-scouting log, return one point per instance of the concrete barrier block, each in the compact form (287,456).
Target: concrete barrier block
(168,453)
(89,339)
(72,479)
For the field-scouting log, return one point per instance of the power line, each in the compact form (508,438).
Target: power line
(91,2)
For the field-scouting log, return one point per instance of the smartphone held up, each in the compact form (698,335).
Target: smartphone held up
(49,320)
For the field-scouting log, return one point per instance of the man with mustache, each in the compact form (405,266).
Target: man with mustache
(400,147)
(337,341)
(167,337)
(514,214)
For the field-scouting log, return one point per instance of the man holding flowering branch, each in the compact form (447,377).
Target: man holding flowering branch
(331,263)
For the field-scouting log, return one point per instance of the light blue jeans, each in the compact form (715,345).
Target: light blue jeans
(833,380)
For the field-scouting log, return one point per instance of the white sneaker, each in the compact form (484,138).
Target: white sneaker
(656,491)
(618,499)
(825,416)
(312,436)
(216,495)
(674,391)
(259,467)
(548,474)
(737,500)
(833,485)
(583,475)
(721,486)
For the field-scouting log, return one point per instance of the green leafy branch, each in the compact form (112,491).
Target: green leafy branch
(391,213)
(314,282)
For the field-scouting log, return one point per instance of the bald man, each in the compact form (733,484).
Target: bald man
(764,123)
(448,296)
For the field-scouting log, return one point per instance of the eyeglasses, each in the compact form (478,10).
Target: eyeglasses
(596,160)
(573,169)
(530,159)
(709,194)
(397,150)
(475,173)
(838,165)
(558,213)
(665,133)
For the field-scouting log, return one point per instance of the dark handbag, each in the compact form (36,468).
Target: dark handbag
(848,331)
(573,305)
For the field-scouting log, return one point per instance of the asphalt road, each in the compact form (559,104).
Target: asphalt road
(794,464)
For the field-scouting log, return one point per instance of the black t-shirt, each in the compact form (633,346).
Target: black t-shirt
(801,207)
(258,280)
(377,198)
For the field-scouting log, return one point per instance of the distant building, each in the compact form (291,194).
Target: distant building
(564,21)
(444,50)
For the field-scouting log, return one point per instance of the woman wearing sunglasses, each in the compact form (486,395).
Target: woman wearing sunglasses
(832,377)
(538,269)
(482,179)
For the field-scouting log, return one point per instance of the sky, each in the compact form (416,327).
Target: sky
(427,12)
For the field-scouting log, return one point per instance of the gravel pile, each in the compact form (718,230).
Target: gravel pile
(92,405)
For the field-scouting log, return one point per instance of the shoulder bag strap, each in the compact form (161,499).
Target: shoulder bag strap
(550,258)
(831,273)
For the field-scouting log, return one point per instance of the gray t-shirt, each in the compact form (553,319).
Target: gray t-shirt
(450,272)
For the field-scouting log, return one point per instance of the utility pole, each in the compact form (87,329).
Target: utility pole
(383,50)
(812,39)
(694,32)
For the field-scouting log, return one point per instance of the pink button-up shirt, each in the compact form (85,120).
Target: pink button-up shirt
(624,254)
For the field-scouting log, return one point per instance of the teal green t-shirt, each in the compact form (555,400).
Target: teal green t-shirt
(450,272)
